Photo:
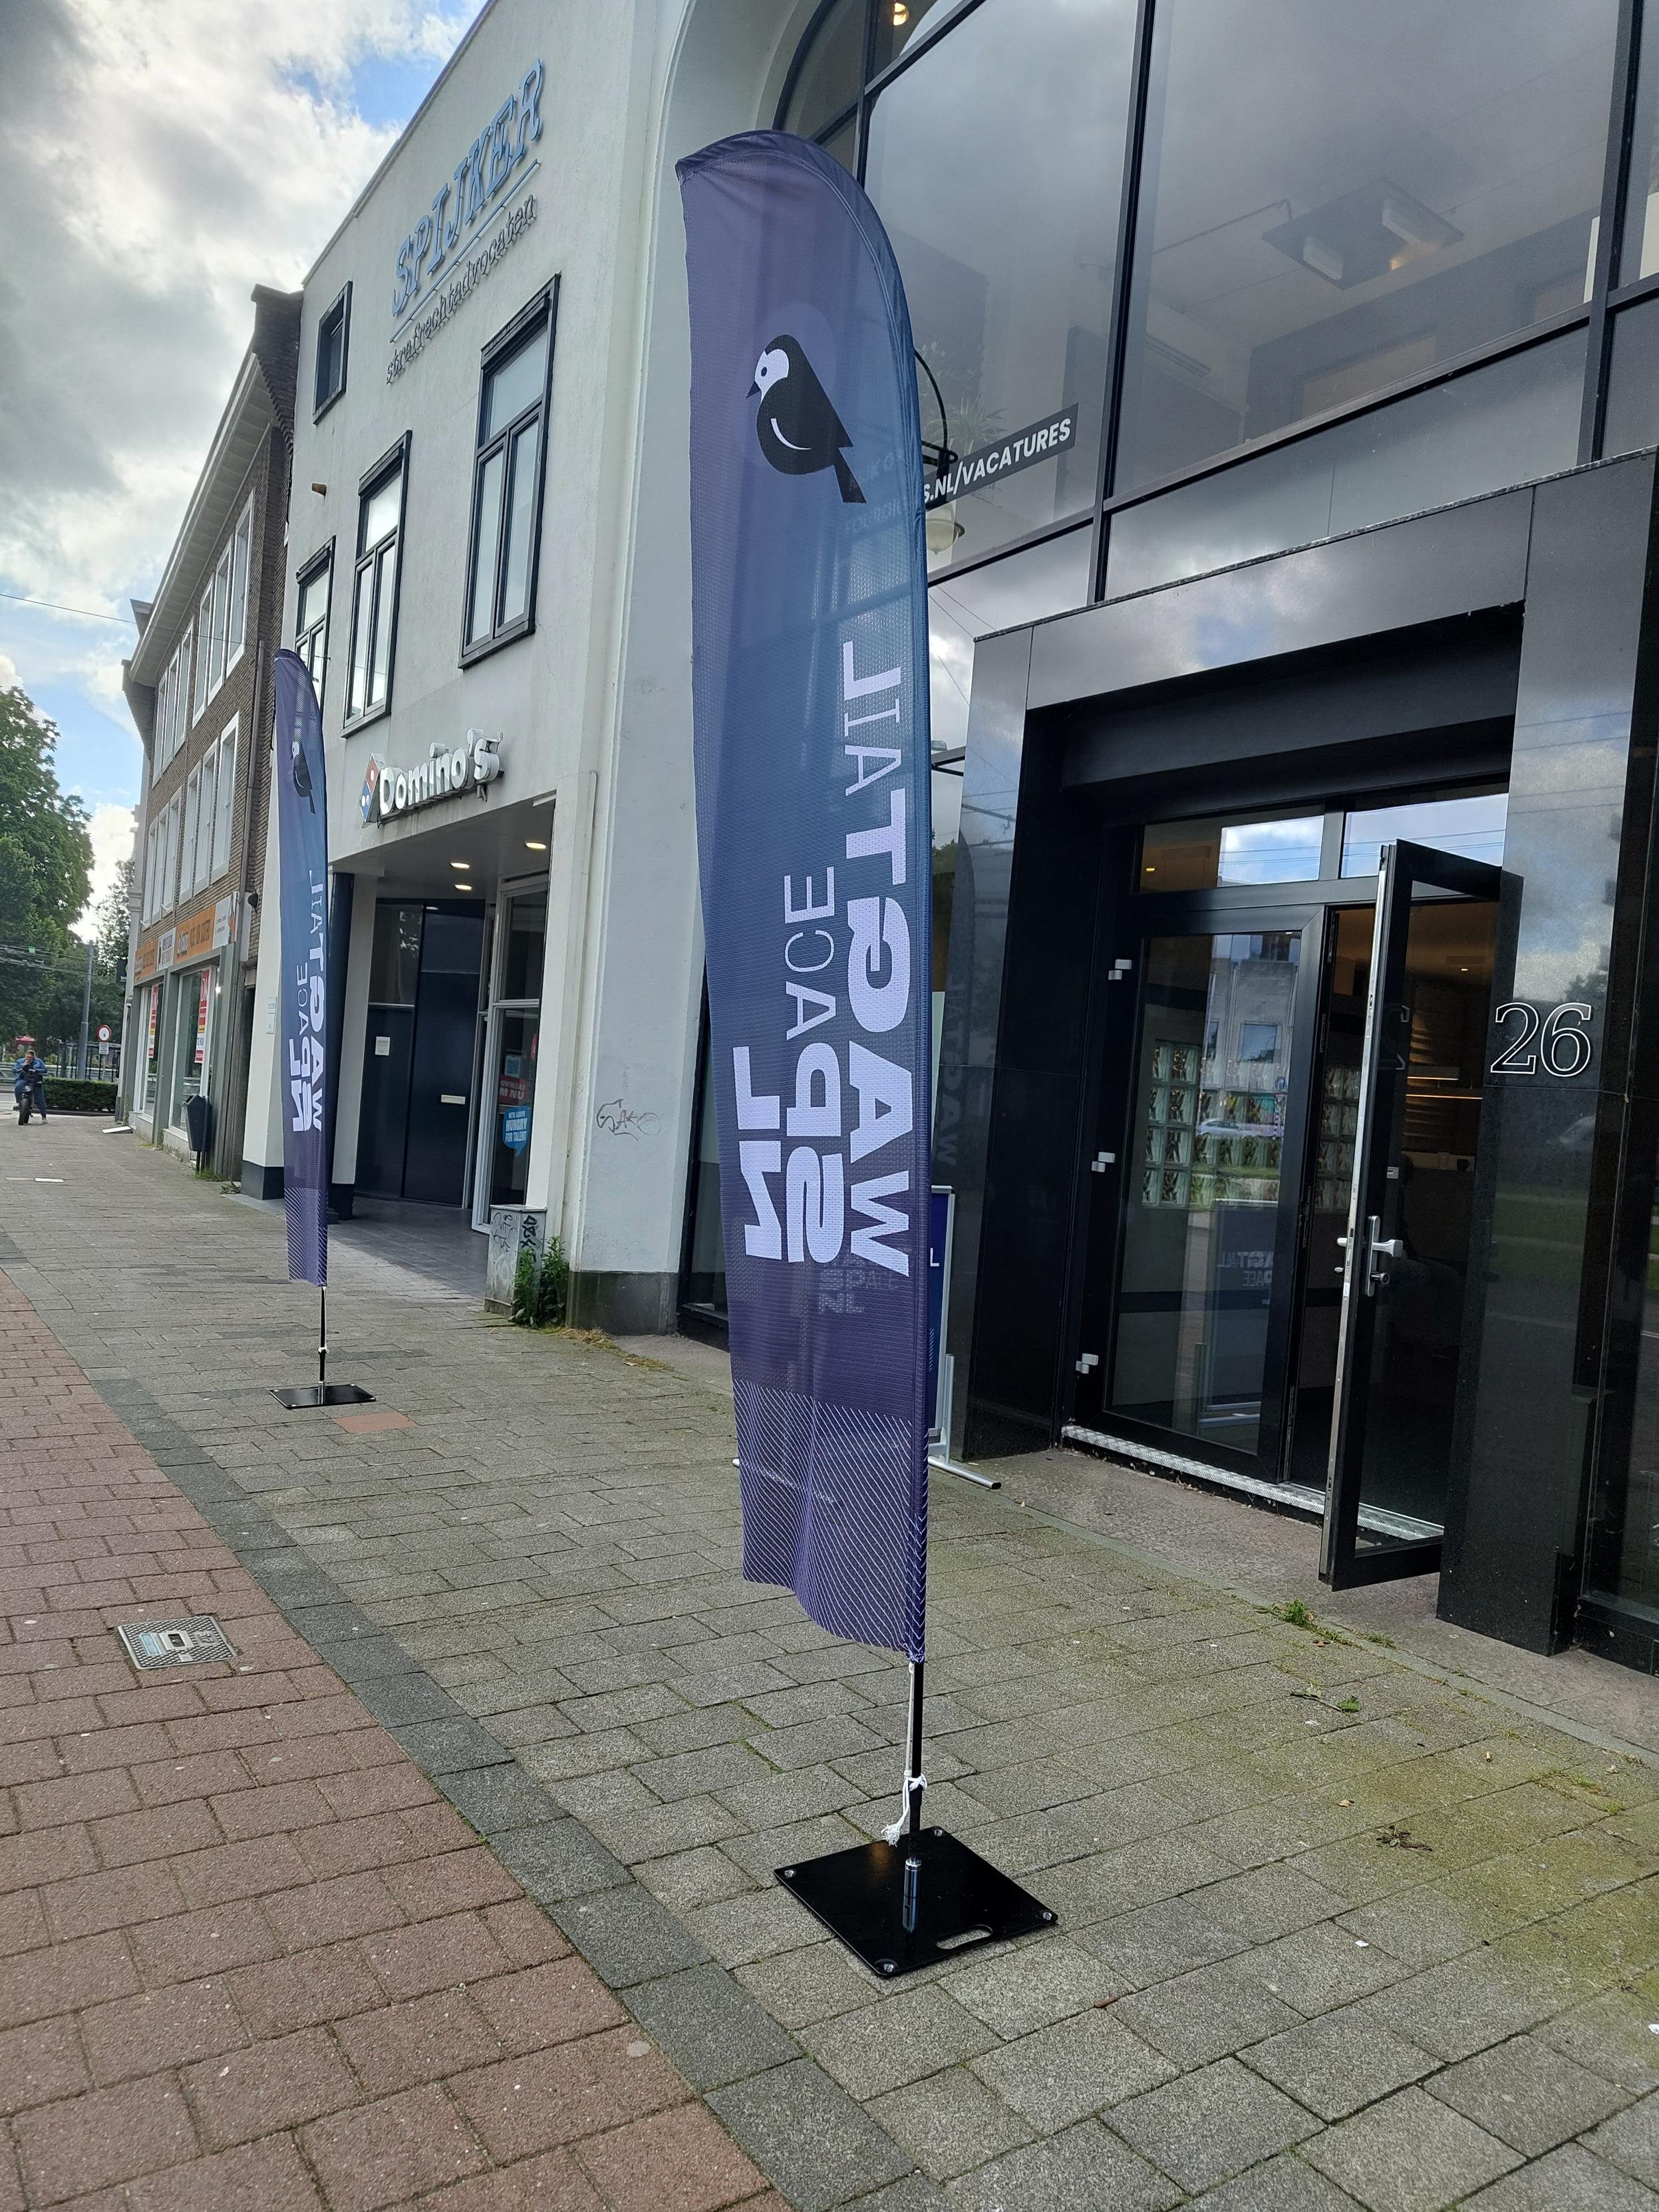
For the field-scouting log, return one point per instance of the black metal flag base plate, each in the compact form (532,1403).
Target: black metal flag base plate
(324,1394)
(904,1905)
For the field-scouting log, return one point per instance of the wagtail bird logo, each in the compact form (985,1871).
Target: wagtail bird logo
(800,431)
(302,777)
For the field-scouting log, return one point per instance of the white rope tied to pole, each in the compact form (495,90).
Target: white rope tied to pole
(912,1786)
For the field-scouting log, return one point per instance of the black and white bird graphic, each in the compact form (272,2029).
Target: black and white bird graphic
(799,429)
(302,777)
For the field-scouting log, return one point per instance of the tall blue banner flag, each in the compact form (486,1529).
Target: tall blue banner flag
(302,863)
(809,681)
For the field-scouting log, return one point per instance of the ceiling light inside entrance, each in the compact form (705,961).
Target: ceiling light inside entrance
(462,865)
(534,845)
(1369,233)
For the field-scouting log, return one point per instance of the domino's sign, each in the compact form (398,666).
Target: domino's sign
(473,765)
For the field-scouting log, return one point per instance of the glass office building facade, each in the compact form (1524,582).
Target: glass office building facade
(1289,373)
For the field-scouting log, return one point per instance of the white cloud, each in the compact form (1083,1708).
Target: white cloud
(111,831)
(7,673)
(155,163)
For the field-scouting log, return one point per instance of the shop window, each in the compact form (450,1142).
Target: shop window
(224,804)
(311,623)
(1468,823)
(1508,422)
(1336,197)
(332,333)
(374,584)
(507,482)
(994,161)
(512,1040)
(191,1032)
(150,1019)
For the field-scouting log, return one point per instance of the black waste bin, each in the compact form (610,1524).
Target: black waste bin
(198,1121)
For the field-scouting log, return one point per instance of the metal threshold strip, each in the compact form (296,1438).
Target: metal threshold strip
(1295,1497)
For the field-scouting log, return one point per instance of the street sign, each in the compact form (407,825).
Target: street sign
(103,1032)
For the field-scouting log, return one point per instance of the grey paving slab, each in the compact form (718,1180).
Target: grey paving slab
(1571,2179)
(1630,2140)
(712,2028)
(809,2137)
(951,2123)
(1061,2074)
(903,2035)
(1279,2184)
(1085,2170)
(1528,2095)
(1409,2153)
(1211,2125)
(1335,2064)
(539,1585)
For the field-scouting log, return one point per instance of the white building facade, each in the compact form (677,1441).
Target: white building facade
(489,574)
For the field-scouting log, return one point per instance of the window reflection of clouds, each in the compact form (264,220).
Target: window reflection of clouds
(1049,578)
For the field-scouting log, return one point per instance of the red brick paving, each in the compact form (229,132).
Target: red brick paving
(250,1960)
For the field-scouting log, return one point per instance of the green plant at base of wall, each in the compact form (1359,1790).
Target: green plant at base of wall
(526,1288)
(553,1286)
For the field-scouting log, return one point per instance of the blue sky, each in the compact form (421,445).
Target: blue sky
(153,171)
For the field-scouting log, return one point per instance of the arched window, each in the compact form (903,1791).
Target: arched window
(847,45)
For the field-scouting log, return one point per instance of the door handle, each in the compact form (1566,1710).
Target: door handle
(1379,1250)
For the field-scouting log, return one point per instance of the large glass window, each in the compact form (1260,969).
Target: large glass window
(1337,196)
(995,161)
(507,483)
(374,588)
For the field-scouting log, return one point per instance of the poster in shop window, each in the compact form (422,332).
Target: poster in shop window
(302,1027)
(809,676)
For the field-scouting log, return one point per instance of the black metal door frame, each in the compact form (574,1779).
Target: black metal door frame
(1406,868)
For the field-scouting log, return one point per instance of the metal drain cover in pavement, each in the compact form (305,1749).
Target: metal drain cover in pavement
(193,1643)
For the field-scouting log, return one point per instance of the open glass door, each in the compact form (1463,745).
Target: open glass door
(1407,1241)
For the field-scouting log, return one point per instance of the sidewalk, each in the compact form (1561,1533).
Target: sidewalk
(1331,1932)
(249,1958)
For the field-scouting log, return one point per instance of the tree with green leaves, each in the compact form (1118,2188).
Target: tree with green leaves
(46,866)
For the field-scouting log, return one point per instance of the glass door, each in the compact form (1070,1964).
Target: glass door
(1207,1256)
(512,1036)
(1406,1247)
